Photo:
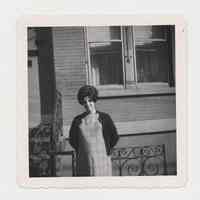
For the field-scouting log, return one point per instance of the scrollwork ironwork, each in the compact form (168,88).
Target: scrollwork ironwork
(43,141)
(140,160)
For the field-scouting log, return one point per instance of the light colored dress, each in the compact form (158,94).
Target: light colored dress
(92,159)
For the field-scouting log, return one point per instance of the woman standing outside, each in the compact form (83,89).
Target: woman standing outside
(93,135)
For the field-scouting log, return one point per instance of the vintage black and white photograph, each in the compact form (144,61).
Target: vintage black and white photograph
(102,100)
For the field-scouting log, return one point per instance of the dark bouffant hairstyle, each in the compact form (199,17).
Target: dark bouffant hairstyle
(87,91)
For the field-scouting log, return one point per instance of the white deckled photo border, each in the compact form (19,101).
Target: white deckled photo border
(179,180)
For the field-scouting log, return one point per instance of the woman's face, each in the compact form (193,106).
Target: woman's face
(89,105)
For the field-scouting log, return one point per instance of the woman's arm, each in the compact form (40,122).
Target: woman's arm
(114,137)
(73,134)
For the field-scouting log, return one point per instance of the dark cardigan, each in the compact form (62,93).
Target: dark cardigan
(109,131)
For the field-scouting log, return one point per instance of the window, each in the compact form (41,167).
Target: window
(106,56)
(130,56)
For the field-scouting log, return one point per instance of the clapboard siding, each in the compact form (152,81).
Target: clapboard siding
(139,108)
(69,58)
(130,109)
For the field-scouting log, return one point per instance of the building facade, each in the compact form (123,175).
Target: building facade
(133,68)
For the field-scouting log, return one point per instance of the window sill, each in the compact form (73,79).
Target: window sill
(139,90)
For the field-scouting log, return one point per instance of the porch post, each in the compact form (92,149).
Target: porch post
(47,79)
(47,82)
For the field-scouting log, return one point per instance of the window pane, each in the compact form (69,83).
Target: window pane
(152,65)
(103,33)
(148,34)
(152,53)
(106,63)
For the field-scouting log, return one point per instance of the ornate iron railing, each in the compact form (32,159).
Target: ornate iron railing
(40,146)
(139,161)
(44,143)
